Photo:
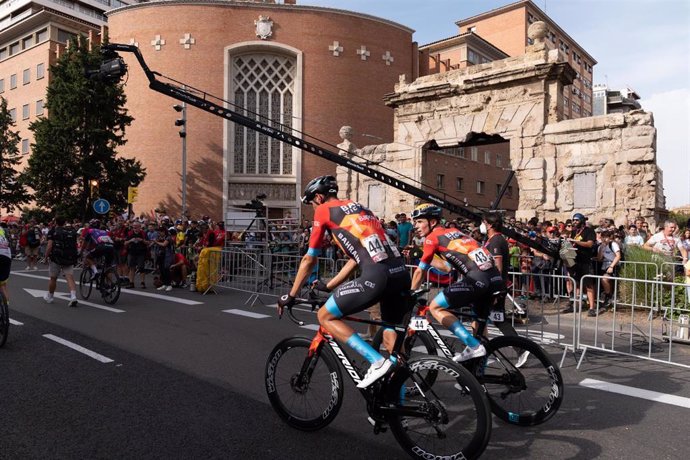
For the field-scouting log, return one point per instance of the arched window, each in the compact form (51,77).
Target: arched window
(263,83)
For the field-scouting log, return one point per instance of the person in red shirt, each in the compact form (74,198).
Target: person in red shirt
(384,278)
(219,235)
(179,270)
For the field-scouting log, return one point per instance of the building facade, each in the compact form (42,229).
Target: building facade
(506,28)
(32,34)
(607,100)
(310,69)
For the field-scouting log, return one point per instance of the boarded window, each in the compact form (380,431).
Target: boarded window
(376,199)
(584,190)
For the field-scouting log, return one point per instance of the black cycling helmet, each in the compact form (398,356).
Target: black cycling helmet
(325,185)
(427,211)
(94,223)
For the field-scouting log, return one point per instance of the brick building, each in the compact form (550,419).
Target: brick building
(314,69)
(506,29)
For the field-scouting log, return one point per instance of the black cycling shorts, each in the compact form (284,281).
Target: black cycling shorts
(466,292)
(376,284)
(107,251)
(5,265)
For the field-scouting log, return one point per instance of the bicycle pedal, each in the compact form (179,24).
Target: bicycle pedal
(379,427)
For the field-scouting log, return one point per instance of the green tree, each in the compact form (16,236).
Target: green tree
(77,142)
(12,191)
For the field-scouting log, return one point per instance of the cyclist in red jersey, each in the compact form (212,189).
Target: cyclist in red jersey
(480,277)
(383,278)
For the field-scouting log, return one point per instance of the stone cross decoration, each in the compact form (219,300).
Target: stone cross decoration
(363,53)
(336,48)
(157,43)
(187,41)
(133,42)
(388,58)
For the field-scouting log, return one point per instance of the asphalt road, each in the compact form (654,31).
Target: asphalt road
(176,375)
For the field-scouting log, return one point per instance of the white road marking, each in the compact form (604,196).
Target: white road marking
(79,348)
(311,327)
(15,322)
(636,392)
(249,314)
(64,296)
(169,298)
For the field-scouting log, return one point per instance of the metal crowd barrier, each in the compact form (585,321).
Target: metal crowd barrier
(634,329)
(648,318)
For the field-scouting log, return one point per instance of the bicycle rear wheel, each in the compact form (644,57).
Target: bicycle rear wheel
(110,286)
(450,419)
(305,389)
(85,283)
(4,320)
(527,394)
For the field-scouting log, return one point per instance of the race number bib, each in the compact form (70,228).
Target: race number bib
(419,323)
(105,239)
(375,248)
(482,258)
(393,247)
(496,316)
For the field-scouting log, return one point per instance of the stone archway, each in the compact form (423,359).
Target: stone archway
(521,99)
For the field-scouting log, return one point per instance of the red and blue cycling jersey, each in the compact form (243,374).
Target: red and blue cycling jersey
(356,230)
(464,253)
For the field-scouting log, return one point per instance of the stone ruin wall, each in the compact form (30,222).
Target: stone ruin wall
(520,98)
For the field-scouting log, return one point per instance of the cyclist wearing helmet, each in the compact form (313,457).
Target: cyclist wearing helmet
(480,278)
(384,279)
(97,243)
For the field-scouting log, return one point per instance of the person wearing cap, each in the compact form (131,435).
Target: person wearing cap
(582,237)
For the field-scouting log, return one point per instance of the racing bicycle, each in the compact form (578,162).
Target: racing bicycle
(523,384)
(4,319)
(449,419)
(106,280)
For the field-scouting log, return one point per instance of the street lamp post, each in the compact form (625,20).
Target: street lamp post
(182,122)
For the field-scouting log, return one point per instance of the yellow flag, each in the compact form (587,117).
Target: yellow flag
(132,193)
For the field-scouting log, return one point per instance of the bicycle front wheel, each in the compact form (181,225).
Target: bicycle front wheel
(4,320)
(523,384)
(305,388)
(110,286)
(85,283)
(450,419)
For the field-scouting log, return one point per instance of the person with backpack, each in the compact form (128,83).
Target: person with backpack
(62,254)
(33,244)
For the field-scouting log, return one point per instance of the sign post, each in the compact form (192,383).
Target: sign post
(101,206)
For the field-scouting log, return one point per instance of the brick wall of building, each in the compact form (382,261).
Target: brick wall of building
(337,91)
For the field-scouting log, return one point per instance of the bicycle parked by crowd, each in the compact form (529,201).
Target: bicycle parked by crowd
(523,384)
(444,417)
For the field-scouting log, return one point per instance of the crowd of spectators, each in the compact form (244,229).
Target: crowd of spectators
(157,245)
(141,248)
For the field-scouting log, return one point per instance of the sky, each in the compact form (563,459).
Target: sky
(641,44)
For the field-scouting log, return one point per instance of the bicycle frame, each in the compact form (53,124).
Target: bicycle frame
(375,393)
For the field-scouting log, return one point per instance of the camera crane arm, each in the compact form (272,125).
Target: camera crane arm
(201,100)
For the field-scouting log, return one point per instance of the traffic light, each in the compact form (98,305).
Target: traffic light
(181,121)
